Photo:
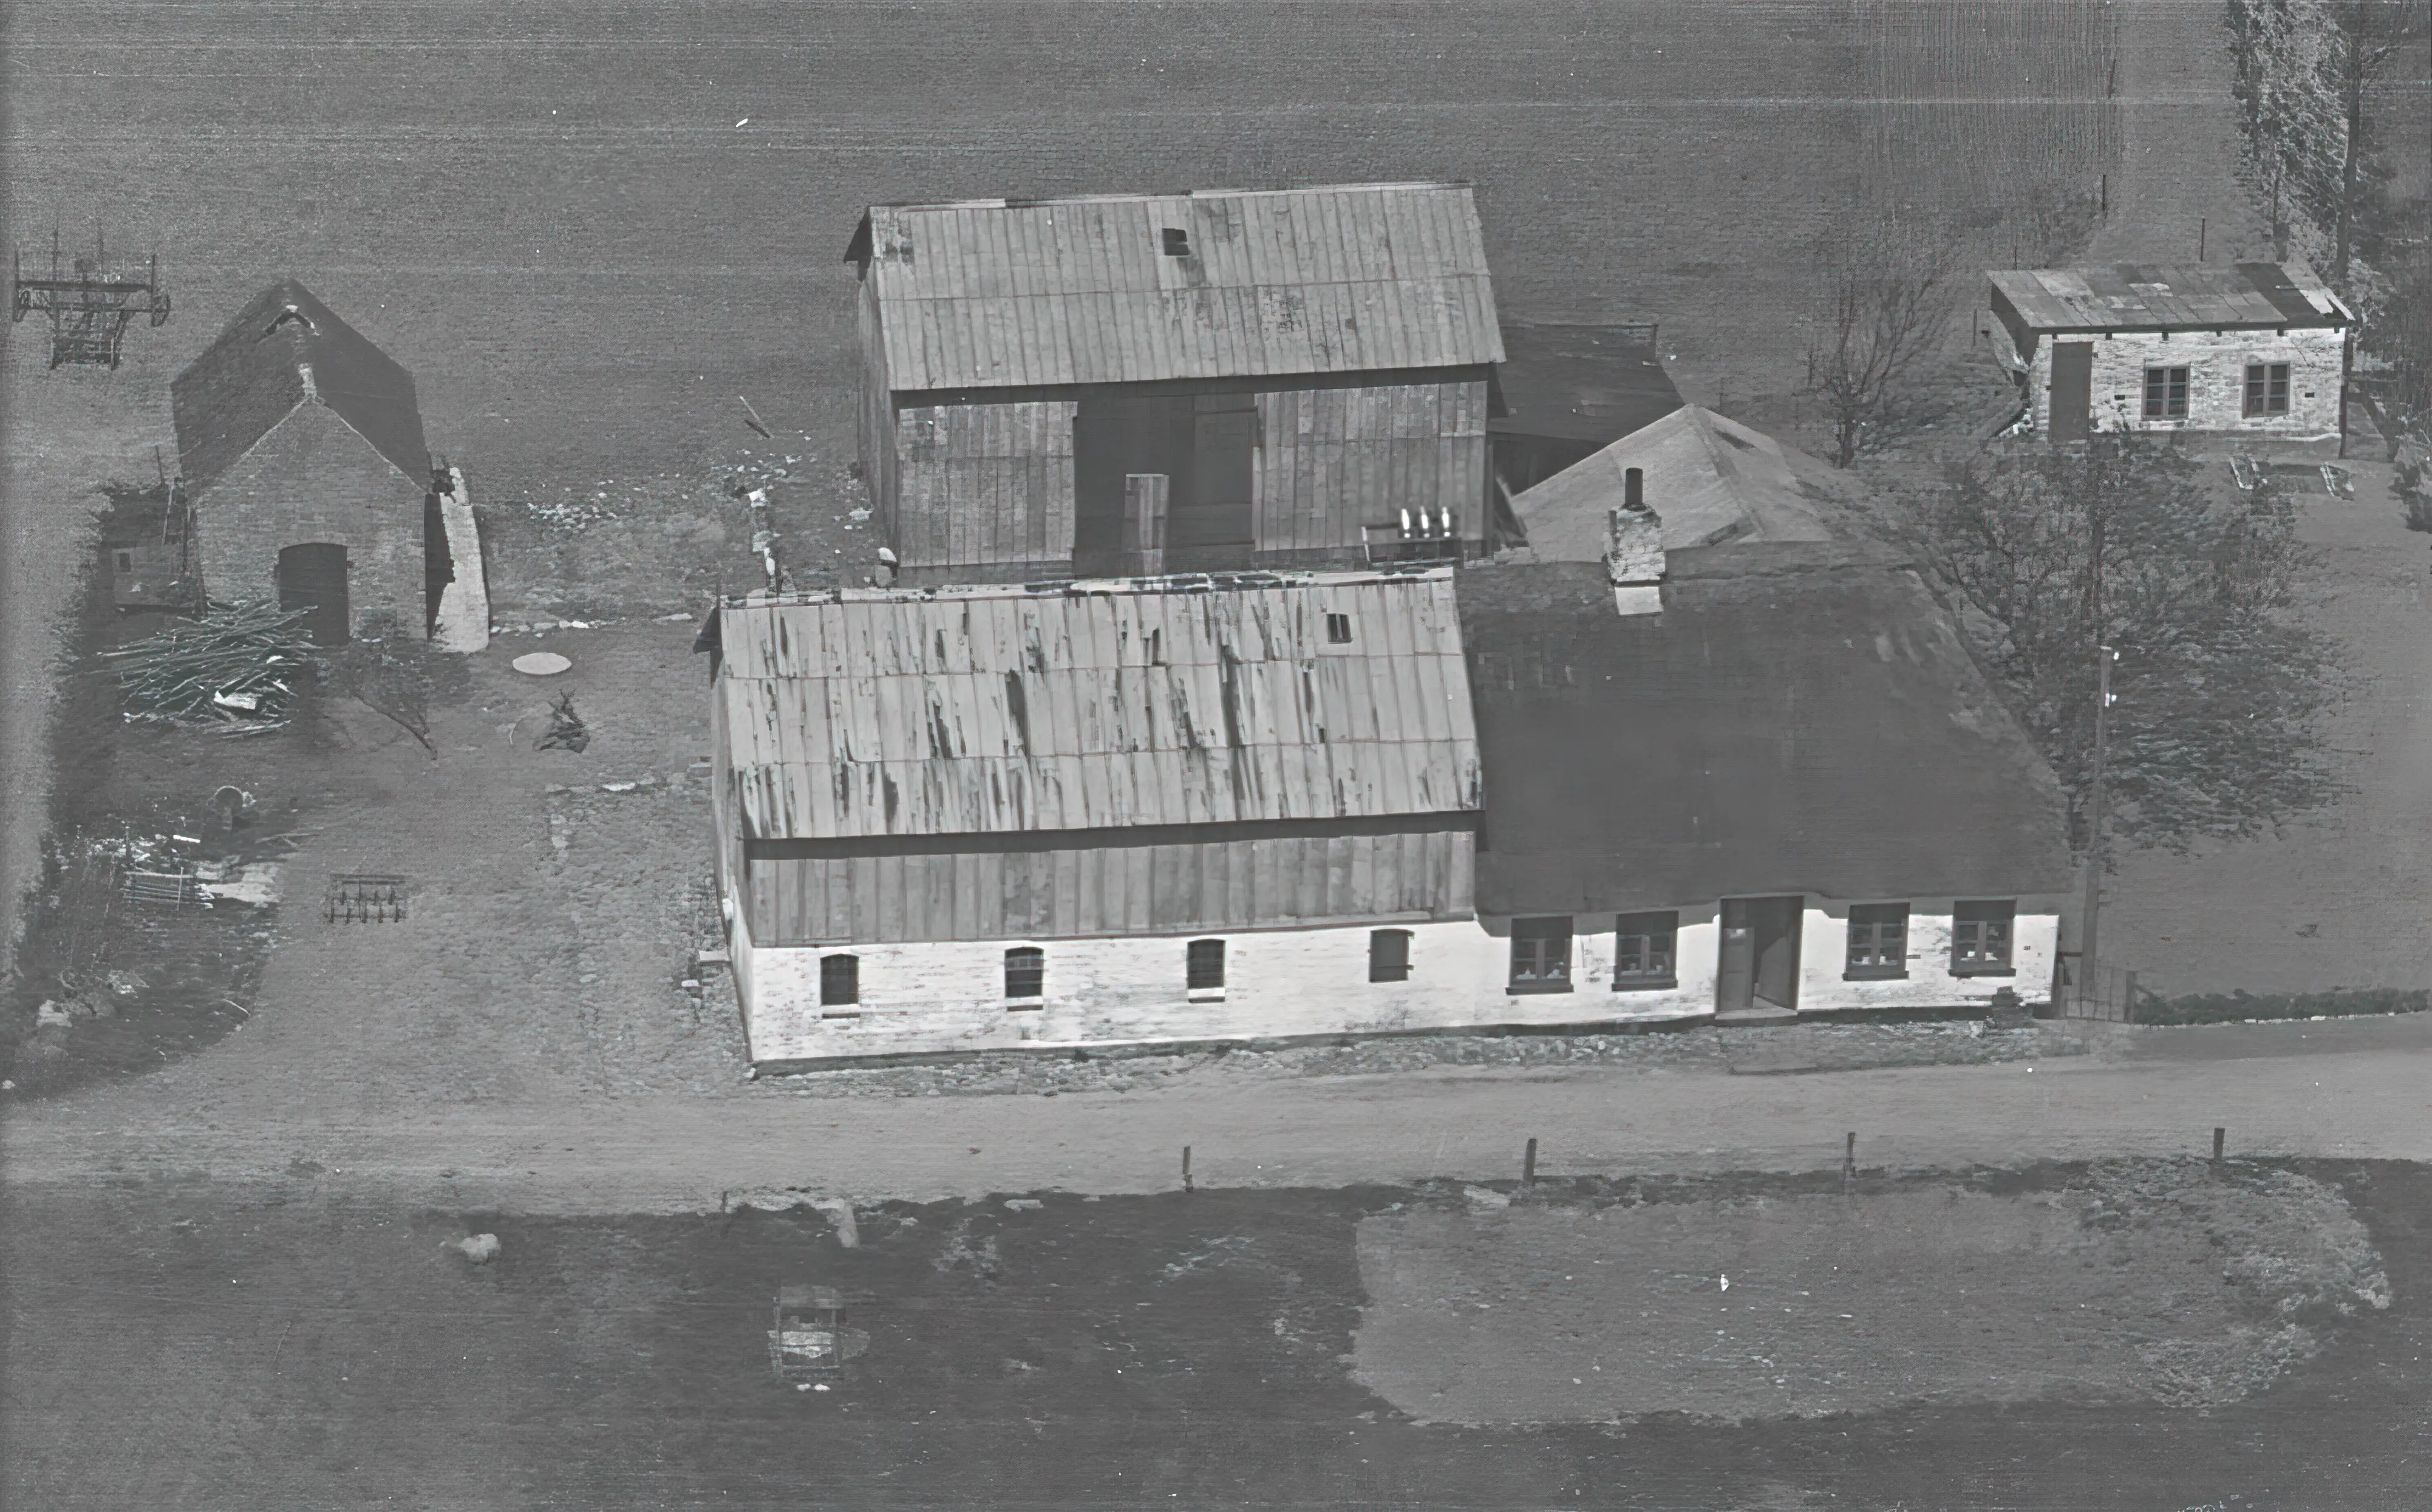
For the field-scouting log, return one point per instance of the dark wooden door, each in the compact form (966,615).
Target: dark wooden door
(2073,389)
(1760,954)
(1114,436)
(1211,528)
(314,578)
(1735,979)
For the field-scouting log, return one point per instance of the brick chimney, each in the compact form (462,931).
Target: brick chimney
(1633,555)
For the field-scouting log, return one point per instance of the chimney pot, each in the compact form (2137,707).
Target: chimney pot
(1633,489)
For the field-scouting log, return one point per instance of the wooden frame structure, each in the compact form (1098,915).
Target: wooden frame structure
(90,310)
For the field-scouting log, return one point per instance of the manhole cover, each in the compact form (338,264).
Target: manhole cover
(542,664)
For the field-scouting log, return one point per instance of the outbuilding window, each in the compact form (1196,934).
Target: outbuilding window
(1980,938)
(2166,393)
(1337,629)
(1643,950)
(1389,955)
(1877,941)
(1540,954)
(1204,965)
(1025,973)
(839,981)
(2267,388)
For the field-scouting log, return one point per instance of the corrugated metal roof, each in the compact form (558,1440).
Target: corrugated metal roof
(1096,707)
(253,377)
(1040,292)
(1708,478)
(2200,297)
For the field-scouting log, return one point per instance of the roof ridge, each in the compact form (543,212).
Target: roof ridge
(1137,197)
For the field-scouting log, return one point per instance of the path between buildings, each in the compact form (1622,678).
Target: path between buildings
(2361,1089)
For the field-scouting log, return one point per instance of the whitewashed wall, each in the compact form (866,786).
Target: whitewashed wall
(2215,381)
(1280,983)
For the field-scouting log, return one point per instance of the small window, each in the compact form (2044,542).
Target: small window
(126,562)
(839,981)
(1389,955)
(1980,938)
(2166,393)
(1877,941)
(1157,648)
(1642,951)
(1204,965)
(1025,972)
(1337,629)
(1541,955)
(2267,388)
(1177,241)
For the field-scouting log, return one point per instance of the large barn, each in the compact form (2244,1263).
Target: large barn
(1293,378)
(1103,812)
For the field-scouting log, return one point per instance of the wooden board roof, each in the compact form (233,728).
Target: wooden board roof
(1593,383)
(1095,707)
(2193,296)
(999,293)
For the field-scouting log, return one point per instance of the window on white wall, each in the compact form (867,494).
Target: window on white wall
(1203,965)
(1025,973)
(2267,388)
(2166,393)
(1979,937)
(1540,954)
(839,981)
(1643,950)
(1877,941)
(1389,955)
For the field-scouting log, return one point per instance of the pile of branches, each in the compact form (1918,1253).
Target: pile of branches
(232,667)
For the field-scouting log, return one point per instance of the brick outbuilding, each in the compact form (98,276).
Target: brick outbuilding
(2245,348)
(300,446)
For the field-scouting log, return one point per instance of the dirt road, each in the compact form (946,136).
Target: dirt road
(2365,1092)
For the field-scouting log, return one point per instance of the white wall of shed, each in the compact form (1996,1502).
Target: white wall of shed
(2215,381)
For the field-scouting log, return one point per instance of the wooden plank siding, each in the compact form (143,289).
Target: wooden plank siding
(1331,460)
(1111,889)
(874,424)
(984,484)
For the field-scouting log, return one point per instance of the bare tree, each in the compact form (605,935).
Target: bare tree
(396,675)
(2222,685)
(1891,291)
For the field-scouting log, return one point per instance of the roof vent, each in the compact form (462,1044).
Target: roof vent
(1177,241)
(289,315)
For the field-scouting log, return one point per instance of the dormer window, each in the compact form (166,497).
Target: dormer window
(1177,241)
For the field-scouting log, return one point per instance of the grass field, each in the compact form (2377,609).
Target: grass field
(178,1344)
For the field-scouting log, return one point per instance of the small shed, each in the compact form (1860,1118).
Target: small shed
(1300,375)
(301,458)
(1564,390)
(2243,348)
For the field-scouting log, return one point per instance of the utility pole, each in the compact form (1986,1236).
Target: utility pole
(2104,657)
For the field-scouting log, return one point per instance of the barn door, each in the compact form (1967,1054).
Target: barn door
(314,578)
(1210,529)
(1114,436)
(2073,389)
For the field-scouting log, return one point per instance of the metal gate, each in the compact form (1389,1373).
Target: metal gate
(2097,989)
